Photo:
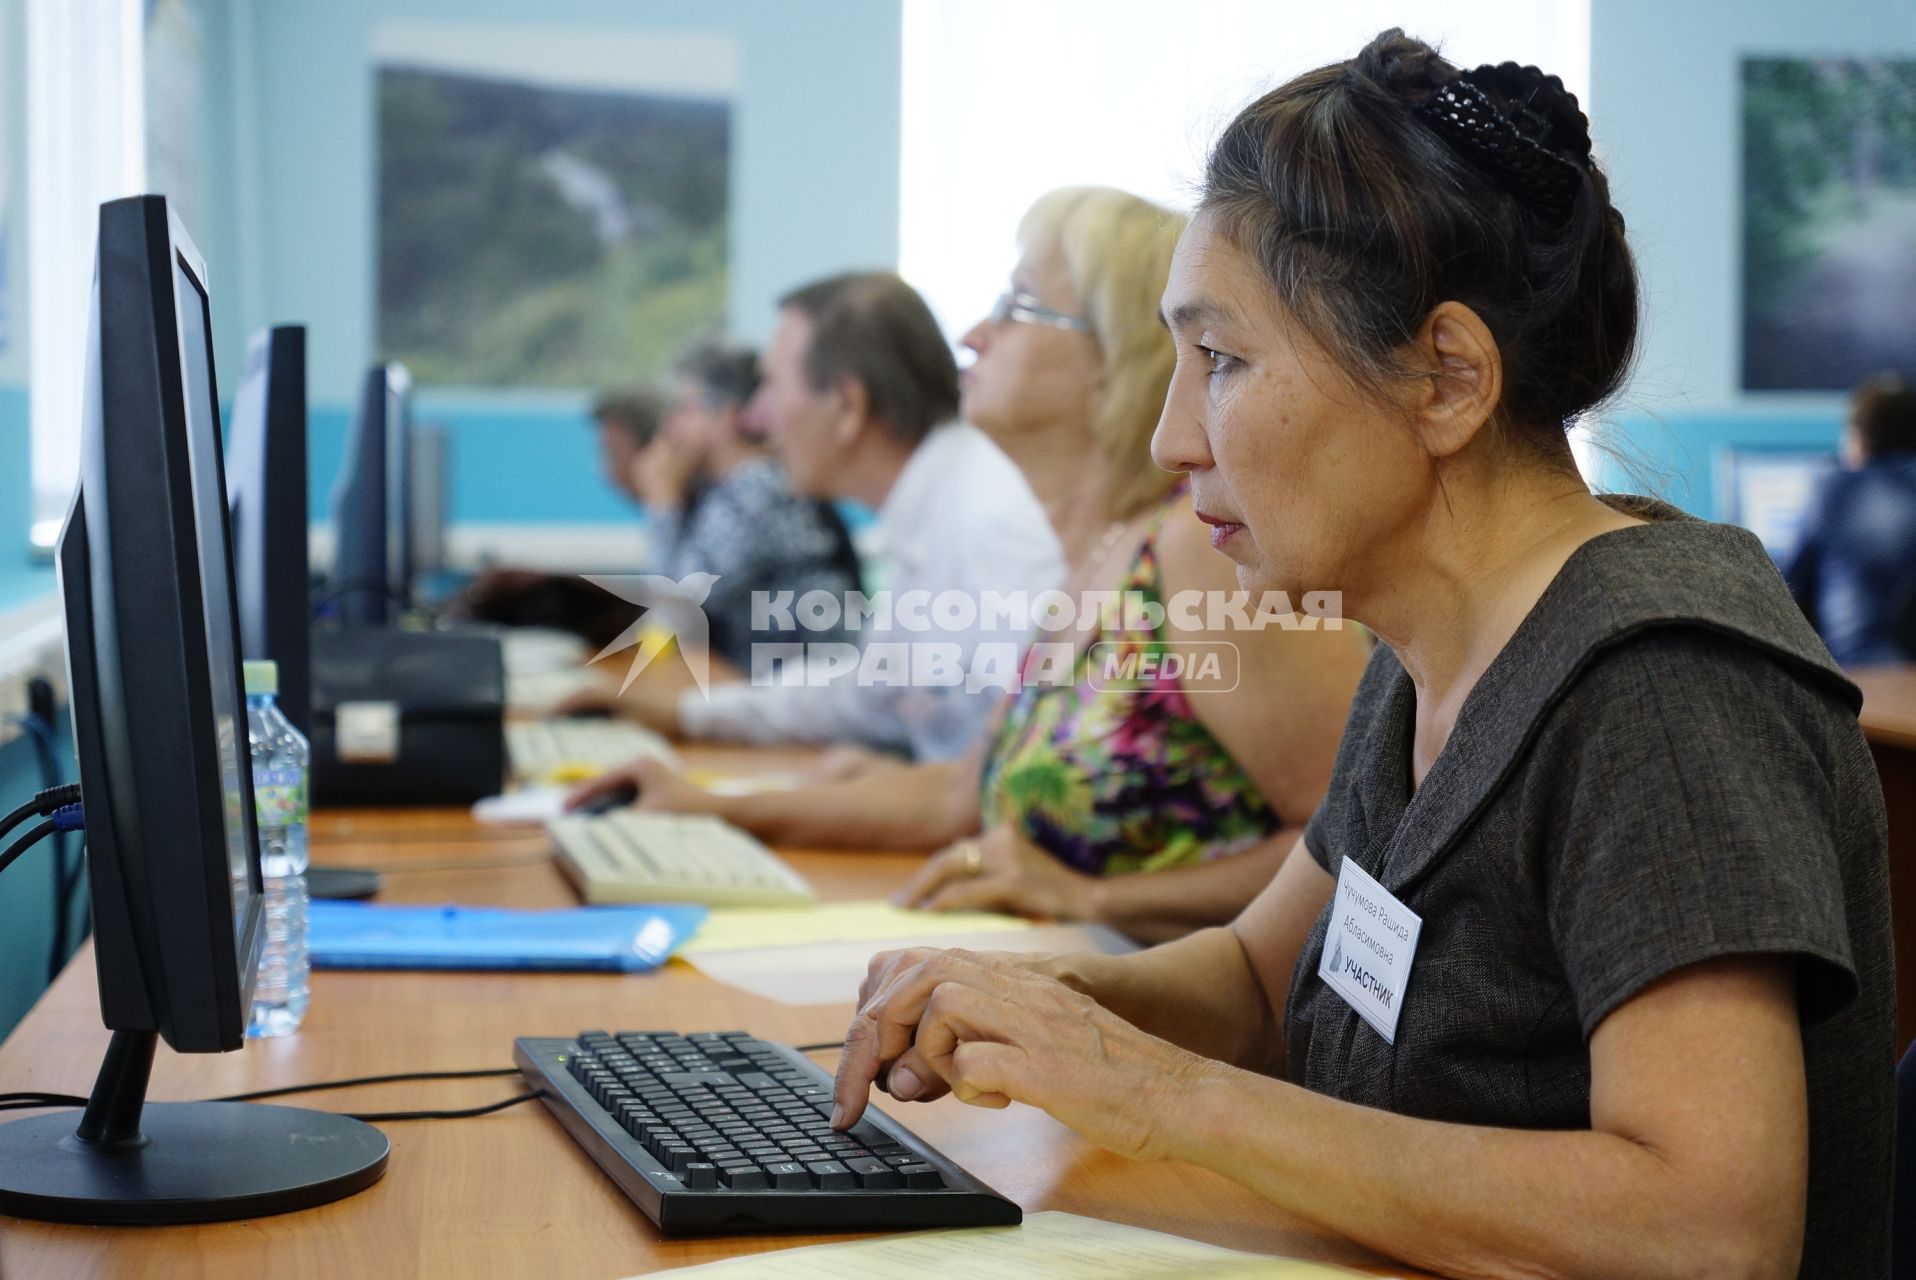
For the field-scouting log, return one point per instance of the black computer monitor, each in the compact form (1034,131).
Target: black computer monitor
(266,493)
(372,558)
(159,720)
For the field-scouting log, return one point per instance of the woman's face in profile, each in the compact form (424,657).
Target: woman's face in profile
(1025,375)
(1299,474)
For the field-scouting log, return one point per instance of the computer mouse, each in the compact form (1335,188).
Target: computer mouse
(606,801)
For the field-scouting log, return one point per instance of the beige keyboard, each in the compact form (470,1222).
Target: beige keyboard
(539,749)
(627,856)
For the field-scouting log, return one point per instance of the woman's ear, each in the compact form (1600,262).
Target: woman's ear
(1465,382)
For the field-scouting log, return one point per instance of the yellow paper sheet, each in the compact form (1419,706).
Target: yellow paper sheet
(1049,1246)
(733,928)
(741,784)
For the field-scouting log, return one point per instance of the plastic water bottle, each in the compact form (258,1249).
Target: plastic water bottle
(281,759)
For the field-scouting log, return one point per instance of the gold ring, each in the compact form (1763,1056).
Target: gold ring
(974,857)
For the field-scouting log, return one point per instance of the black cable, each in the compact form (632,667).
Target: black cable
(372,1116)
(819,1048)
(323,1085)
(33,836)
(67,867)
(22,1101)
(28,1102)
(43,804)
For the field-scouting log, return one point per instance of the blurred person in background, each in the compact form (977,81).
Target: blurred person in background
(716,503)
(627,425)
(1854,572)
(858,401)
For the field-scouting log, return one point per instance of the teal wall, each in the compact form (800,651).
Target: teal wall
(1664,97)
(19,578)
(510,462)
(814,189)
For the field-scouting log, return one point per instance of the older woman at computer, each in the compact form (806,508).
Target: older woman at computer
(1156,735)
(1583,966)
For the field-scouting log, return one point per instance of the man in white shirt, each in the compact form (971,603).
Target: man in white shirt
(856,383)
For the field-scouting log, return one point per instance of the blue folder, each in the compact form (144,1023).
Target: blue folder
(622,939)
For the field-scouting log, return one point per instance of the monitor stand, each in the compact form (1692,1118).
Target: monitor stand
(134,1162)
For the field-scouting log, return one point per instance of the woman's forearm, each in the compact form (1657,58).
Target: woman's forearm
(915,807)
(1465,1200)
(1161,905)
(1199,993)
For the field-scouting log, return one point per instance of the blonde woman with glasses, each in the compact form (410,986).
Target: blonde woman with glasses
(1108,758)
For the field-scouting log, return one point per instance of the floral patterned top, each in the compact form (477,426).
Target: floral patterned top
(1113,774)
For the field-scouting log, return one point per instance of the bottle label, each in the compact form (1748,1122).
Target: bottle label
(279,797)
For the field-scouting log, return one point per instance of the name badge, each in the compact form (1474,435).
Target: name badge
(1368,948)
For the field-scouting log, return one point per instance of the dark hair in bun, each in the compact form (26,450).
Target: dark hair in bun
(1374,189)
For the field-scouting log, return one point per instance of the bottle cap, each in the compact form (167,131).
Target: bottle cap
(262,677)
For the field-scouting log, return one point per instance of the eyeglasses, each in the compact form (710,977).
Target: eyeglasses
(1018,307)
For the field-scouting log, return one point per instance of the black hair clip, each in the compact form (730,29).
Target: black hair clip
(1467,118)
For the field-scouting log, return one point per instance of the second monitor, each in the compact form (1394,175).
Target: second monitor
(372,557)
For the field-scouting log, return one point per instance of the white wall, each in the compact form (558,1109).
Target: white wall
(1005,100)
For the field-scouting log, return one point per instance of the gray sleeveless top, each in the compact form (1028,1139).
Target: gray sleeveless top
(1663,766)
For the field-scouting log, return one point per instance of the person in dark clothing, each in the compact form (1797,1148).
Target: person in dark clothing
(1854,572)
(718,503)
(1583,965)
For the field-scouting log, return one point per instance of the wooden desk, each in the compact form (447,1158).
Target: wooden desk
(511,1194)
(1889,722)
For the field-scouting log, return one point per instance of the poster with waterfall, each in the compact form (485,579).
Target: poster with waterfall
(552,203)
(1829,221)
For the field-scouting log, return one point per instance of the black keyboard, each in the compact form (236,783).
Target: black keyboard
(718,1132)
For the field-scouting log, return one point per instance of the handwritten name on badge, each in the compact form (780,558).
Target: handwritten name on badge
(1368,948)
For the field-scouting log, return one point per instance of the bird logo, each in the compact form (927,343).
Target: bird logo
(671,611)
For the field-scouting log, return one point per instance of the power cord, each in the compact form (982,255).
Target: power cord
(356,1081)
(372,1117)
(31,1100)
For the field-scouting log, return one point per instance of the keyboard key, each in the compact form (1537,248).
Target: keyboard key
(698,1175)
(832,1176)
(744,1177)
(875,1175)
(789,1176)
(758,1080)
(921,1177)
(677,1156)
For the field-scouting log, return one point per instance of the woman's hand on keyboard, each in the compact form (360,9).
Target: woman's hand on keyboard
(992,1031)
